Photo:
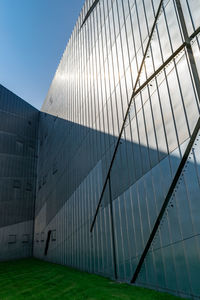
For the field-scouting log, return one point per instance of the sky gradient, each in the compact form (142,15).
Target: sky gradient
(33,37)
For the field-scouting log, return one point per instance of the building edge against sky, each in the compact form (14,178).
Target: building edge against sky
(147,224)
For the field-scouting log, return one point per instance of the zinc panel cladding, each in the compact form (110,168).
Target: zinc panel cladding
(13,243)
(79,127)
(18,159)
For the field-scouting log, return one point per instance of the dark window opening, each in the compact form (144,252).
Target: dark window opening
(37,237)
(47,242)
(29,187)
(53,235)
(16,184)
(90,11)
(12,239)
(42,236)
(25,238)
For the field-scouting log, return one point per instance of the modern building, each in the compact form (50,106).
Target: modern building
(118,157)
(18,170)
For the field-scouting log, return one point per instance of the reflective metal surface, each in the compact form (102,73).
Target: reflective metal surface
(18,162)
(89,97)
(79,129)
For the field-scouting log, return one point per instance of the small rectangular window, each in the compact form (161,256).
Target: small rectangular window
(53,235)
(29,187)
(16,184)
(42,236)
(12,239)
(37,237)
(25,238)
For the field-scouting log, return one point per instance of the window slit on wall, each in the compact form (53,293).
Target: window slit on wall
(53,235)
(16,184)
(42,236)
(37,237)
(25,238)
(12,239)
(29,187)
(90,11)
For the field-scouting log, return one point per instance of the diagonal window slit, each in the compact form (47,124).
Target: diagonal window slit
(127,112)
(167,199)
(90,11)
(189,147)
(47,242)
(135,92)
(186,45)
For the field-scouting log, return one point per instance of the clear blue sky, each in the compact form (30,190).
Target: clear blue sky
(33,36)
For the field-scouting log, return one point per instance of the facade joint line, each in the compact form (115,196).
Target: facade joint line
(127,112)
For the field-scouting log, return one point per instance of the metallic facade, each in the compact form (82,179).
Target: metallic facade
(18,162)
(118,169)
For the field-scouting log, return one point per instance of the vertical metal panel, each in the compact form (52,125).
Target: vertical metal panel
(82,117)
(18,159)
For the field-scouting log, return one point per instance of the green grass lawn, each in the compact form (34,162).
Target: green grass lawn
(35,279)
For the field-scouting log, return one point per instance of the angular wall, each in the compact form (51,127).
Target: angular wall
(18,158)
(147,51)
(121,116)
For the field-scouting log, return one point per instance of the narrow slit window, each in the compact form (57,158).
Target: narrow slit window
(90,11)
(37,237)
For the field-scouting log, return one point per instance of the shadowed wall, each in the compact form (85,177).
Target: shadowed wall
(115,43)
(18,162)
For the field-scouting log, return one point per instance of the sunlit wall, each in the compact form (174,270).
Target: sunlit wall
(112,55)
